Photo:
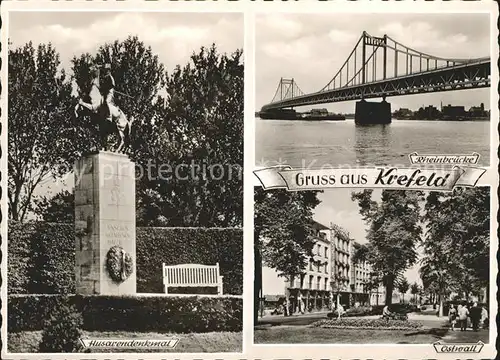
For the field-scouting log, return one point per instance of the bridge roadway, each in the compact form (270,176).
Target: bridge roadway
(459,77)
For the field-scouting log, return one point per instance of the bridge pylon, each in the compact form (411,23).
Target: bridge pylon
(287,89)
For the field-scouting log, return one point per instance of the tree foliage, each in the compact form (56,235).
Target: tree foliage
(283,229)
(414,290)
(393,234)
(457,241)
(59,208)
(200,130)
(403,287)
(41,140)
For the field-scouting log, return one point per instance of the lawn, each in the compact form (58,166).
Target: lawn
(27,341)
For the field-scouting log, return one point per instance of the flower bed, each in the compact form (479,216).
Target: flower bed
(376,324)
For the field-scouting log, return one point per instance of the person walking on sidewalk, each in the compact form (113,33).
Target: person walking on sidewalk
(463,313)
(484,318)
(340,311)
(475,316)
(452,314)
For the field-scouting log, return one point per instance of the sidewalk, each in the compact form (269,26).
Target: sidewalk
(269,316)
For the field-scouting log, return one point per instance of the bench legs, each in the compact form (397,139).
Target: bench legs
(219,287)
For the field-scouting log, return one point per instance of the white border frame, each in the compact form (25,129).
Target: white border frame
(250,8)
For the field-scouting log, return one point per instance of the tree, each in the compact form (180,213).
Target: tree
(394,230)
(456,245)
(414,290)
(403,287)
(283,229)
(200,138)
(59,208)
(42,140)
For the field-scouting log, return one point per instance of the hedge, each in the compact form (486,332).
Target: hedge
(369,324)
(129,313)
(42,256)
(175,246)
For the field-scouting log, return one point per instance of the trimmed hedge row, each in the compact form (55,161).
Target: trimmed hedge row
(42,256)
(360,323)
(129,313)
(174,246)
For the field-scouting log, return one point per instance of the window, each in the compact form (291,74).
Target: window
(319,250)
(319,283)
(326,251)
(326,283)
(310,266)
(311,279)
(326,268)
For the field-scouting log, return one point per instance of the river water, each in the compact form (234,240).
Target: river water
(336,143)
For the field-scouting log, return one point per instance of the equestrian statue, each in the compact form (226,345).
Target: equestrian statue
(102,105)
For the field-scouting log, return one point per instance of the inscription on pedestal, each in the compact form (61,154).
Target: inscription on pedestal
(104,219)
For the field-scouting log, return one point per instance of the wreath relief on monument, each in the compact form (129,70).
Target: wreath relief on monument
(119,264)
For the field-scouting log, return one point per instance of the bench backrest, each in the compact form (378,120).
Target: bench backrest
(191,274)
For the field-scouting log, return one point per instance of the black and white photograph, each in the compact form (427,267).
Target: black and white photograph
(125,185)
(347,266)
(359,89)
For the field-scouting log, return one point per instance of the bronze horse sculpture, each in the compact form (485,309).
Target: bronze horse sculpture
(109,116)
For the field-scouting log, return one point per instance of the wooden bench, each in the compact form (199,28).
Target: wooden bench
(192,275)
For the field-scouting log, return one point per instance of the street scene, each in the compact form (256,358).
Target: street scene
(337,92)
(372,266)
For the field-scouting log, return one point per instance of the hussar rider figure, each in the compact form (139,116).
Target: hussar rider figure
(102,104)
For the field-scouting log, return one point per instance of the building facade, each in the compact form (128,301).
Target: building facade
(310,291)
(331,276)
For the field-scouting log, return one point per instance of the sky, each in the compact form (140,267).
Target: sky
(337,207)
(172,36)
(311,48)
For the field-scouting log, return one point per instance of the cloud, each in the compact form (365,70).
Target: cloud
(285,50)
(281,24)
(342,37)
(173,36)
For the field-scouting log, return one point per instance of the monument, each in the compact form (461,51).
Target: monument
(105,214)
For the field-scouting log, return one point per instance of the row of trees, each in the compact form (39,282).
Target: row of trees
(192,114)
(451,229)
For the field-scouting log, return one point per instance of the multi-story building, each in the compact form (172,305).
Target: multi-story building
(330,277)
(341,263)
(360,278)
(311,290)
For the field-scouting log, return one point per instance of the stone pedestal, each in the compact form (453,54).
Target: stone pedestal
(104,221)
(368,113)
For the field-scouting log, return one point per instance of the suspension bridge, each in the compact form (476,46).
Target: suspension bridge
(380,67)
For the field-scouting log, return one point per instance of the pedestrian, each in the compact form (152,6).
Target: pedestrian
(340,311)
(463,313)
(300,304)
(286,307)
(484,318)
(452,314)
(475,316)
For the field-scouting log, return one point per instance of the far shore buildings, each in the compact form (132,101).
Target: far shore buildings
(331,277)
